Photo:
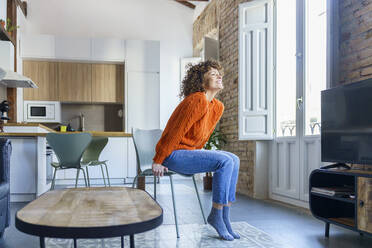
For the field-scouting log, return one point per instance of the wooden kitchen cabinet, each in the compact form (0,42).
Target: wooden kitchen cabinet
(108,83)
(115,152)
(75,82)
(44,74)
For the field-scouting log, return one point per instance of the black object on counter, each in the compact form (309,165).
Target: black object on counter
(4,109)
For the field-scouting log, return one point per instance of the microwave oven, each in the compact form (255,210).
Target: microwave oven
(42,111)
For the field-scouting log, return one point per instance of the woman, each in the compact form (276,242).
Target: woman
(187,131)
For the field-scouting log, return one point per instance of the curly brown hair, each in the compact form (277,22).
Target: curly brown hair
(194,79)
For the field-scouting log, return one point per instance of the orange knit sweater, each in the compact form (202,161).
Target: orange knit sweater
(190,125)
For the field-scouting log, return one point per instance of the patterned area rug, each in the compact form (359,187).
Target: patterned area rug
(192,235)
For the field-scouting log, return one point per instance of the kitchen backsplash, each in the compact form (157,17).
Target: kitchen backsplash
(95,116)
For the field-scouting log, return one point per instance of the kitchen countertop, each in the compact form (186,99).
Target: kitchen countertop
(32,134)
(28,125)
(102,133)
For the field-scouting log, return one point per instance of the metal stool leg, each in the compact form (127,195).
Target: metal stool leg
(103,175)
(75,243)
(77,177)
(134,181)
(197,194)
(108,177)
(174,206)
(155,188)
(131,241)
(85,178)
(42,242)
(86,168)
(327,230)
(54,179)
(122,241)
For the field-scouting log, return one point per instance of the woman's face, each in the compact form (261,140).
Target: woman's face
(213,80)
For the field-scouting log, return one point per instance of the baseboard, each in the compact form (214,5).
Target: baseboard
(22,197)
(291,201)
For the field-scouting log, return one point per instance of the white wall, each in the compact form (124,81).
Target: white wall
(6,63)
(163,20)
(3,4)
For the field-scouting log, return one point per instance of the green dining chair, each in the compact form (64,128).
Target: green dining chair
(144,144)
(69,149)
(91,157)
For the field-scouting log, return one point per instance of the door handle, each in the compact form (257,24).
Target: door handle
(299,102)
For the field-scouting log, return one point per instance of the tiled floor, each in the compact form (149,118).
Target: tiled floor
(289,225)
(198,235)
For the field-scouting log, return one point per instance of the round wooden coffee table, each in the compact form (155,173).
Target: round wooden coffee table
(84,213)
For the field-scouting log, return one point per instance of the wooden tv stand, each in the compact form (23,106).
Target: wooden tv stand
(350,213)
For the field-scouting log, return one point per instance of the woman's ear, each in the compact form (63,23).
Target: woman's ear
(205,83)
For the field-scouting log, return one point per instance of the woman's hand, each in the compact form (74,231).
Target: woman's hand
(158,169)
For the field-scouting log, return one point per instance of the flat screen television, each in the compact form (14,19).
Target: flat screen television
(346,126)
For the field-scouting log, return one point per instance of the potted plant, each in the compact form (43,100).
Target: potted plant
(2,23)
(9,27)
(214,143)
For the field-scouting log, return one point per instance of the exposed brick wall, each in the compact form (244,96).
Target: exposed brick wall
(227,11)
(205,25)
(355,63)
(355,51)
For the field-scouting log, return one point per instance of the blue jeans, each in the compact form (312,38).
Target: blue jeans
(225,166)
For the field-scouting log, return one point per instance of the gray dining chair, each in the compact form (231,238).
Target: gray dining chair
(69,149)
(144,144)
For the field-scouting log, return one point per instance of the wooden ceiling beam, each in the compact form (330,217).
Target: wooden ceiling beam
(183,2)
(23,6)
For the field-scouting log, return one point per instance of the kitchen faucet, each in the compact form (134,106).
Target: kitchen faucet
(82,122)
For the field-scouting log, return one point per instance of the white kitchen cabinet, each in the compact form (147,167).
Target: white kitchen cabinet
(116,153)
(142,91)
(28,167)
(37,46)
(142,100)
(132,159)
(142,55)
(72,48)
(23,166)
(106,49)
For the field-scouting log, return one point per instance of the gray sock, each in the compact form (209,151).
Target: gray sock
(226,219)
(215,219)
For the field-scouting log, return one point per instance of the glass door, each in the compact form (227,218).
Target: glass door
(315,80)
(286,64)
(300,62)
(315,62)
(285,161)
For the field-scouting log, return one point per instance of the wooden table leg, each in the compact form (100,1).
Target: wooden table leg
(122,241)
(42,242)
(327,230)
(132,241)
